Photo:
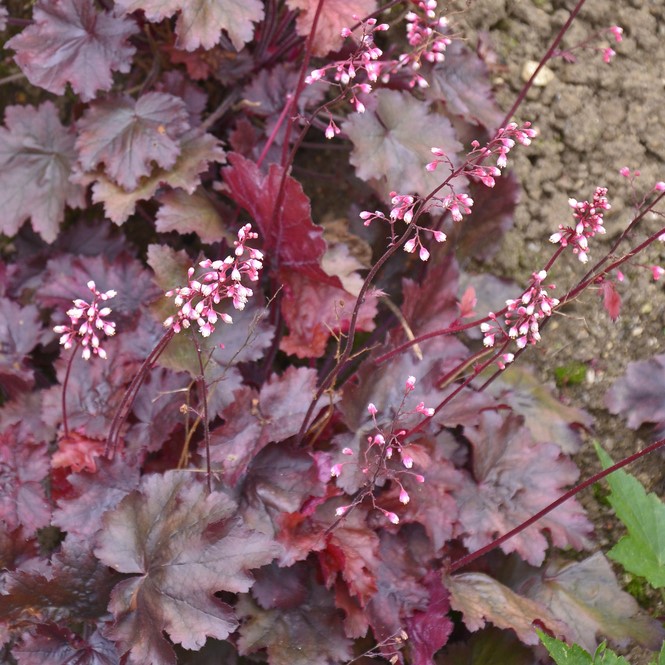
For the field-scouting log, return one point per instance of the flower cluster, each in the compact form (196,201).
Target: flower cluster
(523,315)
(423,32)
(608,52)
(381,448)
(589,222)
(363,59)
(219,280)
(86,320)
(499,147)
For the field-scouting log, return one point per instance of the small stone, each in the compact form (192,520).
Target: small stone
(545,75)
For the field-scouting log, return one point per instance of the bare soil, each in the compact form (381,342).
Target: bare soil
(593,118)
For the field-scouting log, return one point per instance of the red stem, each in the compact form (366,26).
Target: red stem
(466,560)
(548,55)
(65,382)
(122,412)
(204,400)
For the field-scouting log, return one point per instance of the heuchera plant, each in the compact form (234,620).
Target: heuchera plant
(248,410)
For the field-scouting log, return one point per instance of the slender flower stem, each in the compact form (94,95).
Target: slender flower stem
(332,375)
(548,55)
(204,402)
(65,382)
(467,559)
(123,409)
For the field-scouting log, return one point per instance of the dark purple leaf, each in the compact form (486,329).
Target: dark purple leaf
(548,420)
(310,633)
(513,478)
(431,503)
(174,82)
(278,483)
(281,588)
(181,545)
(74,586)
(639,396)
(36,158)
(429,630)
(462,82)
(52,644)
(20,332)
(72,42)
(66,277)
(390,150)
(93,494)
(253,420)
(400,591)
(157,410)
(23,466)
(200,22)
(94,389)
(127,136)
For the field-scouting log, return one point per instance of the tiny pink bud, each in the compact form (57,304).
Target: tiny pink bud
(392,517)
(407,460)
(657,272)
(371,409)
(404,496)
(347,451)
(342,510)
(336,470)
(660,186)
(439,236)
(410,383)
(423,253)
(419,478)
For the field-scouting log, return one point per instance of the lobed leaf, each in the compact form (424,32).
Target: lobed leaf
(638,395)
(53,644)
(72,42)
(587,597)
(309,634)
(200,22)
(127,136)
(23,466)
(181,545)
(334,15)
(513,478)
(391,151)
(196,153)
(480,598)
(36,159)
(642,551)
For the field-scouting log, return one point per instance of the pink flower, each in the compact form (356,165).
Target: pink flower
(220,280)
(86,319)
(657,272)
(617,32)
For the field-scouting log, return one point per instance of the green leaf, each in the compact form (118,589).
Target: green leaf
(642,551)
(562,653)
(576,655)
(571,374)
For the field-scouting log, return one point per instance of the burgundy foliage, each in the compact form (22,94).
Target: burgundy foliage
(285,488)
